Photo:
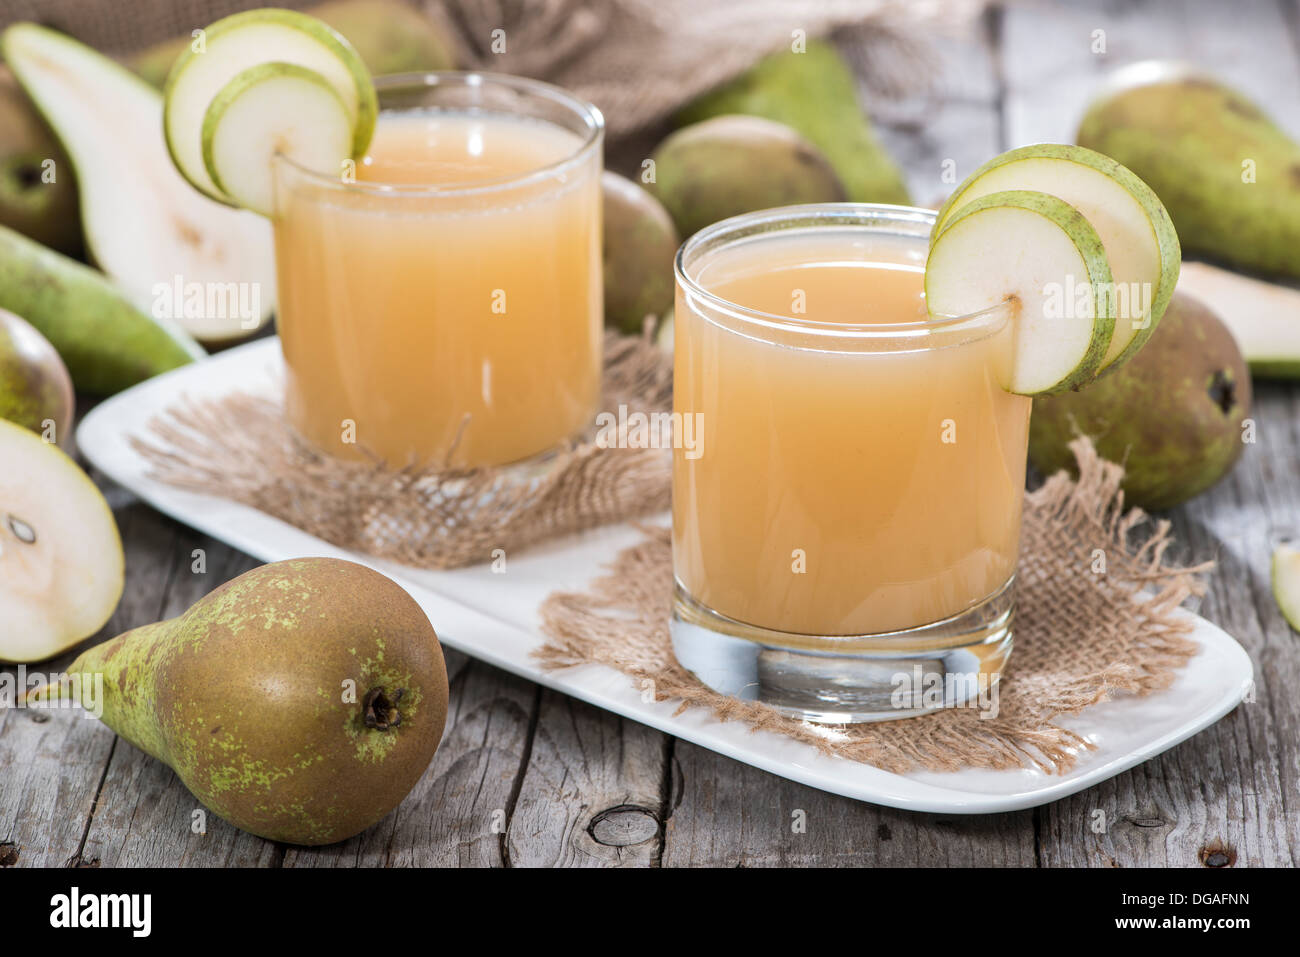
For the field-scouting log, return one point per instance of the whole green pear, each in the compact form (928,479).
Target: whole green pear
(300,701)
(35,388)
(815,92)
(1229,177)
(1172,416)
(640,242)
(737,164)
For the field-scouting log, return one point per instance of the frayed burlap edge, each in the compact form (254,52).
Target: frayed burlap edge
(1115,631)
(237,446)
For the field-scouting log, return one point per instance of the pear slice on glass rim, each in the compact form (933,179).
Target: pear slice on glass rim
(1138,235)
(1040,258)
(61,561)
(234,44)
(273,108)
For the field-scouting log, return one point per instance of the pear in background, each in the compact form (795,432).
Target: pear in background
(35,388)
(1172,416)
(38,189)
(815,92)
(640,242)
(737,164)
(1227,174)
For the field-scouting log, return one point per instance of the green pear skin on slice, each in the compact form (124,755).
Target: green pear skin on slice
(1040,256)
(269,109)
(1141,243)
(232,45)
(1286,583)
(61,560)
(145,226)
(106,342)
(1262,316)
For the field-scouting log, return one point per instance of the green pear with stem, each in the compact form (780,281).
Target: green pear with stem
(300,701)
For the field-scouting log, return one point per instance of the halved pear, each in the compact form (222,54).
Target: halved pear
(1141,243)
(269,109)
(145,227)
(234,44)
(1038,256)
(61,562)
(1286,583)
(1262,316)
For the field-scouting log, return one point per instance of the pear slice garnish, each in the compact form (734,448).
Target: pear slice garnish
(1139,237)
(1037,256)
(237,43)
(270,109)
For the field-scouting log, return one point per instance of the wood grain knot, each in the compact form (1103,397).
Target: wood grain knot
(1218,854)
(8,854)
(624,826)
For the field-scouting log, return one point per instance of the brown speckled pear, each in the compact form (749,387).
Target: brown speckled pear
(1173,416)
(300,701)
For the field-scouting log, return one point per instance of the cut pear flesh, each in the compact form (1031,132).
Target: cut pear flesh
(236,43)
(1038,255)
(270,109)
(1286,583)
(1141,243)
(145,226)
(61,562)
(1262,316)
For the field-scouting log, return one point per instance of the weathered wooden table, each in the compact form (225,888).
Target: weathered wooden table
(530,777)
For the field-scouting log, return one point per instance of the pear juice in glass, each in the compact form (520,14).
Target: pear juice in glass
(845,535)
(446,305)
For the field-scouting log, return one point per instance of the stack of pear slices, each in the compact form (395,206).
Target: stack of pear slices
(1079,251)
(262,83)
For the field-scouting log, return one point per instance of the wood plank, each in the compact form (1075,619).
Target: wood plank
(729,814)
(593,793)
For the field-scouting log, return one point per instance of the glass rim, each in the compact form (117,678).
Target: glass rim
(812,215)
(591,117)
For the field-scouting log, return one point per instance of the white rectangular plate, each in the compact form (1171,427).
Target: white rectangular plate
(494,617)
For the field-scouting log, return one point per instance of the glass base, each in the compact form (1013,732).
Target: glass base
(954,663)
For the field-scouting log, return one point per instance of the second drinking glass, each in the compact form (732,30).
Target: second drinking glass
(846,524)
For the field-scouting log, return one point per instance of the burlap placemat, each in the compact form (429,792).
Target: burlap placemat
(238,446)
(1094,618)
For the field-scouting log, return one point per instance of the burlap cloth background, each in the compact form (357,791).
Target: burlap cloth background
(636,59)
(1080,636)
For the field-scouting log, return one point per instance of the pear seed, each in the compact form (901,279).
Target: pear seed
(21,530)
